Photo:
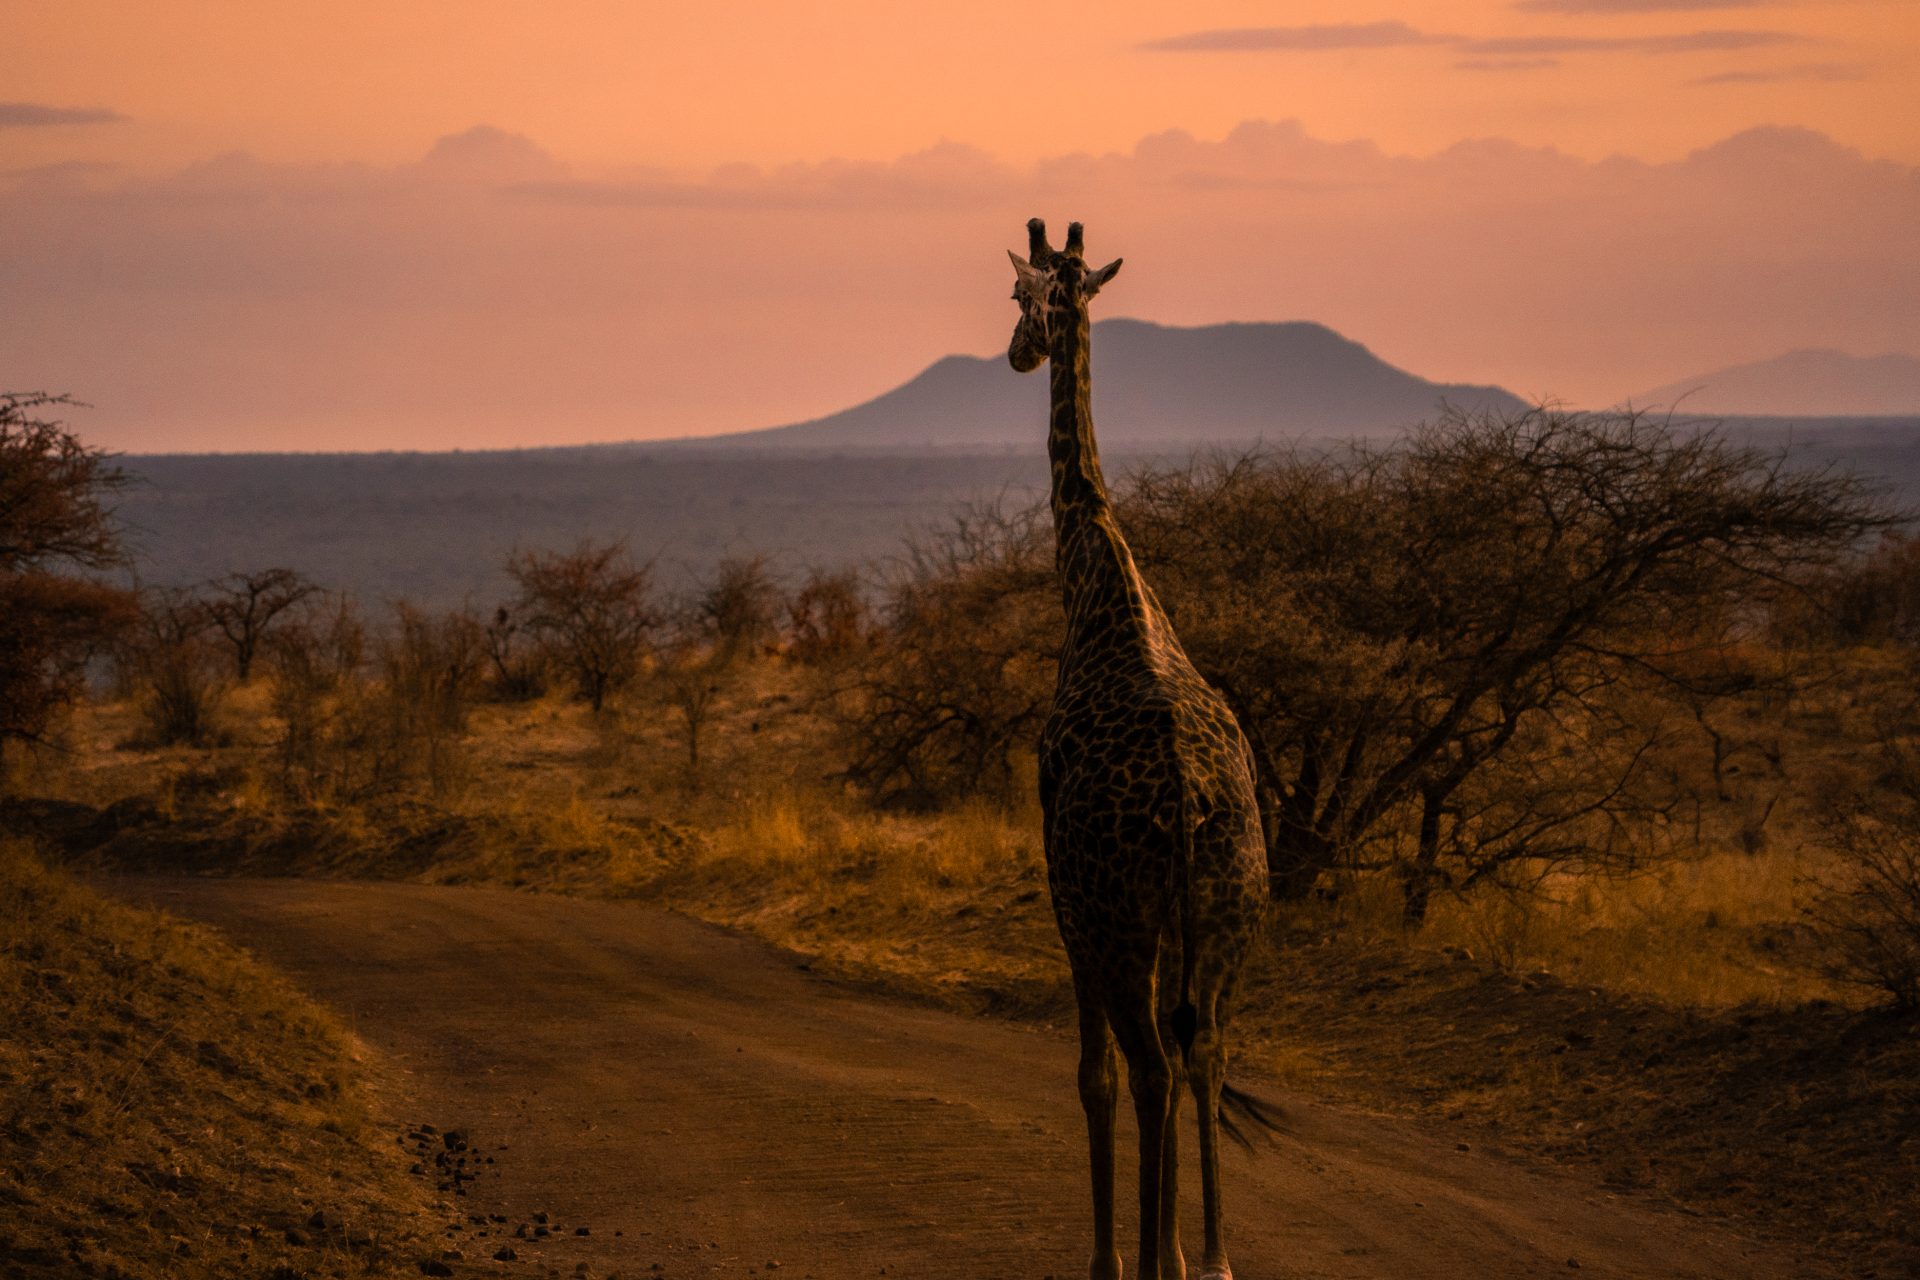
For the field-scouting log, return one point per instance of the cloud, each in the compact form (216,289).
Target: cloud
(1681,42)
(1341,35)
(35,115)
(489,154)
(1505,64)
(239,303)
(1633,6)
(945,175)
(1391,35)
(1829,72)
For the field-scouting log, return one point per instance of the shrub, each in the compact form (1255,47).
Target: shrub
(960,673)
(740,608)
(176,673)
(519,665)
(827,618)
(430,667)
(594,608)
(246,608)
(54,520)
(1867,913)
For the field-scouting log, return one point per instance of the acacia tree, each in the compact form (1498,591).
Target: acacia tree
(1430,642)
(55,521)
(594,608)
(245,606)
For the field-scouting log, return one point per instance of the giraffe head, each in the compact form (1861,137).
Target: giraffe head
(1049,285)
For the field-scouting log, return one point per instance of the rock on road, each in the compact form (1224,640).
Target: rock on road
(721,1110)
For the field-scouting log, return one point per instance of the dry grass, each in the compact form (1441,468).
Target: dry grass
(168,1108)
(953,905)
(1663,1029)
(1710,932)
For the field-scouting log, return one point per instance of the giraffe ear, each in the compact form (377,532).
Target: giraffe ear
(1094,281)
(1023,269)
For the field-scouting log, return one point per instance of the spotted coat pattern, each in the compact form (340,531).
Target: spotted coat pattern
(1152,833)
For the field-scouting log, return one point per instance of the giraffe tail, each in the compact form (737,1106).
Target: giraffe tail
(1186,1018)
(1242,1114)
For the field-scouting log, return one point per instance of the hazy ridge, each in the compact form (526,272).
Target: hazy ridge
(437,528)
(1819,382)
(1155,385)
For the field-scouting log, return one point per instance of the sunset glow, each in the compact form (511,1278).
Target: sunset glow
(440,225)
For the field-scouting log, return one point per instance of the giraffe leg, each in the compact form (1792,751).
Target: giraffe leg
(1150,1079)
(1173,1265)
(1206,1073)
(1099,1093)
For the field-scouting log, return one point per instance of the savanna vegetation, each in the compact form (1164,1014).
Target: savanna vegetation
(1586,749)
(168,1107)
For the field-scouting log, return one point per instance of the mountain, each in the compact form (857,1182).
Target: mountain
(1800,383)
(1154,385)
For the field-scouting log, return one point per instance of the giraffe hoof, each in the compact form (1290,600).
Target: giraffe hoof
(1221,1272)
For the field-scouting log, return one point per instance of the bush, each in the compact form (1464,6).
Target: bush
(960,673)
(344,738)
(520,666)
(740,609)
(594,609)
(54,519)
(430,668)
(827,619)
(247,608)
(1867,914)
(1872,599)
(176,672)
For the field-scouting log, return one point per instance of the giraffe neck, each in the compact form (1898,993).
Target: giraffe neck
(1106,601)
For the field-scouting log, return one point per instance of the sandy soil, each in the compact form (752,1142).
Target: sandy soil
(702,1106)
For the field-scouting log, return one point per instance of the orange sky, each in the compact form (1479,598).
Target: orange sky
(242,307)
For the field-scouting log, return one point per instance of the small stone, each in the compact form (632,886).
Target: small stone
(318,1221)
(295,1236)
(452,1255)
(416,1168)
(1462,1146)
(540,1217)
(434,1267)
(772,1265)
(504,1253)
(1574,1263)
(583,1231)
(520,1232)
(542,1231)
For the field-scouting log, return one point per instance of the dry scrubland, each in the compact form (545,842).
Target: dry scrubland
(1672,1031)
(173,1110)
(1589,753)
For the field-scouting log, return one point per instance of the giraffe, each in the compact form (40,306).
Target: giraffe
(1154,851)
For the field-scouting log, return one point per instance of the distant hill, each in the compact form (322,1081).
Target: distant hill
(1800,383)
(1154,386)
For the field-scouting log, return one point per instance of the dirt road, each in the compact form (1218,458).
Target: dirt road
(705,1108)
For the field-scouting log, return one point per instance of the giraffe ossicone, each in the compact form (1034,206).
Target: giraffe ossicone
(1155,857)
